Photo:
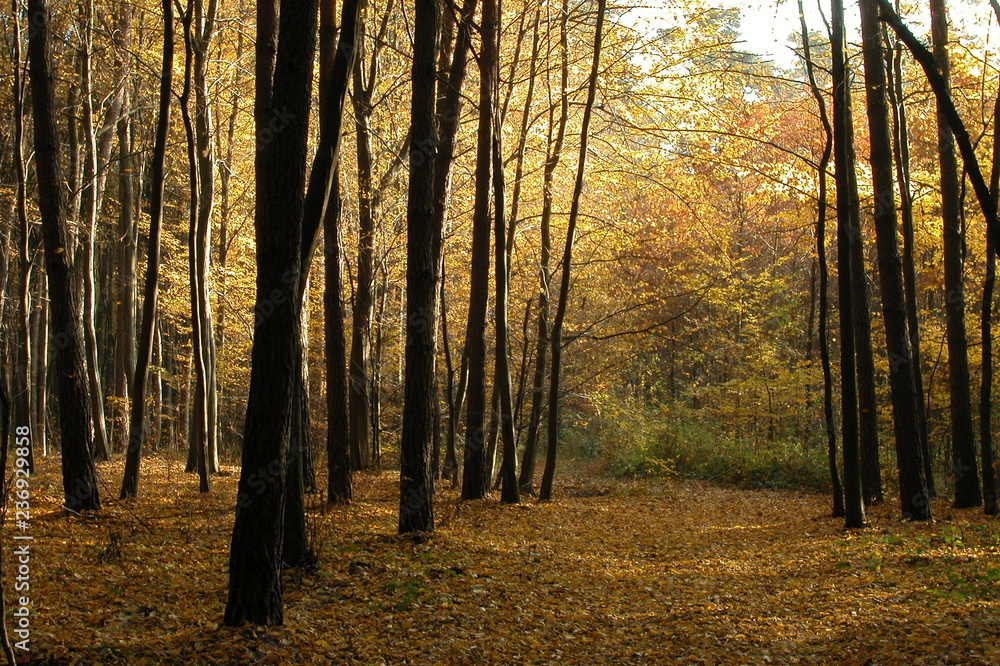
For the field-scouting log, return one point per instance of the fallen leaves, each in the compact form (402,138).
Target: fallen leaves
(636,574)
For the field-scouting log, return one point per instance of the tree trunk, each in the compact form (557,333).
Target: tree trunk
(125,297)
(475,476)
(901,152)
(79,477)
(133,458)
(823,305)
(902,370)
(88,223)
(423,252)
(843,134)
(198,452)
(964,466)
(545,492)
(526,481)
(338,450)
(255,554)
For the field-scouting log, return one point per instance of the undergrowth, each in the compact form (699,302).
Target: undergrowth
(658,441)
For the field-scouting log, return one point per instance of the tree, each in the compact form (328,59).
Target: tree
(255,553)
(475,472)
(964,466)
(137,421)
(423,252)
(553,155)
(822,325)
(545,492)
(843,142)
(902,370)
(79,476)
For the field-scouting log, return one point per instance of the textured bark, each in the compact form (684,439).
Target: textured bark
(423,252)
(901,152)
(477,468)
(338,447)
(964,465)
(255,553)
(79,477)
(130,482)
(843,136)
(545,492)
(902,370)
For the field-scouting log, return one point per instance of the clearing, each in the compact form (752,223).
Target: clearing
(610,572)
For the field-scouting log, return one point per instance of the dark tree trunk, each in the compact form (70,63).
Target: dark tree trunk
(476,469)
(423,252)
(338,450)
(843,135)
(79,477)
(823,305)
(906,406)
(256,550)
(964,466)
(526,480)
(901,152)
(133,458)
(198,451)
(545,493)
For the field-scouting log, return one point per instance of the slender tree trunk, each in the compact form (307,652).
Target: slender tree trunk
(198,452)
(545,492)
(906,406)
(126,237)
(901,152)
(526,481)
(964,466)
(79,477)
(823,305)
(338,450)
(88,218)
(844,167)
(423,252)
(133,458)
(449,470)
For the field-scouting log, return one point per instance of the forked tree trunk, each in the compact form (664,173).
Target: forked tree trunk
(545,493)
(526,480)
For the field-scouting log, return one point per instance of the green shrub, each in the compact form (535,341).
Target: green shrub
(658,441)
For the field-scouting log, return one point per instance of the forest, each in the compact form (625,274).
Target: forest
(461,332)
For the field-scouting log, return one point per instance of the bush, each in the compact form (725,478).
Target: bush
(659,441)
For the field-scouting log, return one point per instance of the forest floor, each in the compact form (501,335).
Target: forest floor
(608,573)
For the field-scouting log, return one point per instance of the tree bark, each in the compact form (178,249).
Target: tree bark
(423,251)
(340,489)
(545,492)
(133,457)
(79,477)
(844,167)
(902,370)
(255,553)
(823,305)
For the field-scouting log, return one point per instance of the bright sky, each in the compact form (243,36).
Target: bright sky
(767,24)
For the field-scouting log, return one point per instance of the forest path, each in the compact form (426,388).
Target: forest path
(608,573)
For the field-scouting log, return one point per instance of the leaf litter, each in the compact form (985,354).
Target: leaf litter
(641,572)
